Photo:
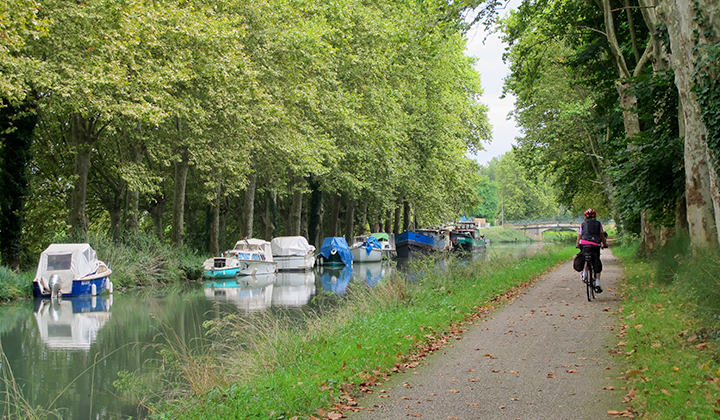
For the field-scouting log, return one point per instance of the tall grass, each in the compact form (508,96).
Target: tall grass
(276,369)
(670,332)
(14,285)
(499,234)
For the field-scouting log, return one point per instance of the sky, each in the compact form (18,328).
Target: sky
(492,72)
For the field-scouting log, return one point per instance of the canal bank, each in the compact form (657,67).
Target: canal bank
(121,343)
(305,373)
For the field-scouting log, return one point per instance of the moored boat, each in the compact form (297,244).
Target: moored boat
(293,253)
(366,249)
(70,270)
(334,252)
(249,257)
(409,244)
(387,244)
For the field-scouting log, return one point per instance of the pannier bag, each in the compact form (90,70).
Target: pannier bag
(579,262)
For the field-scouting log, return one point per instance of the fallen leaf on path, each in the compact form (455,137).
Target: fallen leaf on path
(609,388)
(572,371)
(454,391)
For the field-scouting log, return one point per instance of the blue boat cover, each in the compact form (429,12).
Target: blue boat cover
(370,243)
(340,245)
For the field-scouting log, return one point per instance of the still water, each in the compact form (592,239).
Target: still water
(65,356)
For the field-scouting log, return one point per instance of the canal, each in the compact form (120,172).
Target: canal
(70,356)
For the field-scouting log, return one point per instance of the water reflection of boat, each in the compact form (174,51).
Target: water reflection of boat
(293,288)
(370,273)
(71,323)
(247,293)
(336,279)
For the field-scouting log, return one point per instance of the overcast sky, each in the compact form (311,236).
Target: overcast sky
(493,71)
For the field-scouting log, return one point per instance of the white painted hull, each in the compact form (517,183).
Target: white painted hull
(295,262)
(360,254)
(256,268)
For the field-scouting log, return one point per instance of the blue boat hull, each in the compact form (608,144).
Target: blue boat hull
(79,288)
(410,244)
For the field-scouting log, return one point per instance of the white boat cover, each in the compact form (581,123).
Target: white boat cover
(289,246)
(254,244)
(69,261)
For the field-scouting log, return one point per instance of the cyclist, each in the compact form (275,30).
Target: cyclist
(591,237)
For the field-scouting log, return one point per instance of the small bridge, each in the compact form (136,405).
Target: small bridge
(536,230)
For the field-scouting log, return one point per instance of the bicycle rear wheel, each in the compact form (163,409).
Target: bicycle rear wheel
(590,283)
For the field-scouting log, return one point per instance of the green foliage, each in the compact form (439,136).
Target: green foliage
(524,195)
(562,237)
(649,174)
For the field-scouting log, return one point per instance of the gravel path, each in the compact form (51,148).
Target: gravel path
(543,356)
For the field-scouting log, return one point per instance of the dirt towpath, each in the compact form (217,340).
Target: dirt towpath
(546,355)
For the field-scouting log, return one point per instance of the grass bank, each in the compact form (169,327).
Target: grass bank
(500,234)
(670,332)
(274,369)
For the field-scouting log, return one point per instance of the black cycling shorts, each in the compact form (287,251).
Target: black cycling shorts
(594,253)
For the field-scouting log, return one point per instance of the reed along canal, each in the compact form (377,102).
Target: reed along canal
(70,356)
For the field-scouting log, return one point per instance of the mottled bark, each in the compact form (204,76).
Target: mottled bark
(178,223)
(82,136)
(249,207)
(406,215)
(214,240)
(315,212)
(363,219)
(397,228)
(350,221)
(701,201)
(335,216)
(388,222)
(296,210)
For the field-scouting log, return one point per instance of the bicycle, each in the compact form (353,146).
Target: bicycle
(588,276)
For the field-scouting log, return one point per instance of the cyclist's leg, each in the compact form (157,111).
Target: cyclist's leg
(597,265)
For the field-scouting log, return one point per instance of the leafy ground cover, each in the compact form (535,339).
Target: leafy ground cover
(669,333)
(286,372)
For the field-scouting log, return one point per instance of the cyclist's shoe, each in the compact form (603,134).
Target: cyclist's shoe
(598,289)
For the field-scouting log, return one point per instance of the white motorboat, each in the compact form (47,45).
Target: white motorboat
(293,253)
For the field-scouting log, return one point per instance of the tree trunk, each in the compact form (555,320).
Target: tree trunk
(133,196)
(214,242)
(388,222)
(296,209)
(315,213)
(16,129)
(406,215)
(178,222)
(350,221)
(81,132)
(363,219)
(270,213)
(398,215)
(335,216)
(702,204)
(249,207)
(156,212)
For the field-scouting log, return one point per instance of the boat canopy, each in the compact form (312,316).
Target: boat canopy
(381,236)
(254,244)
(69,261)
(370,243)
(339,245)
(288,246)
